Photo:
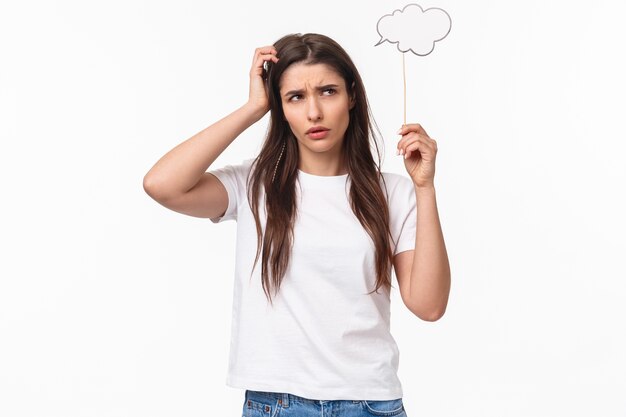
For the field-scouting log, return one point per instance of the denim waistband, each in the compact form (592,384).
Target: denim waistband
(284,398)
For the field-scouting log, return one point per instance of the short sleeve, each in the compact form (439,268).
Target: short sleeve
(234,178)
(403,215)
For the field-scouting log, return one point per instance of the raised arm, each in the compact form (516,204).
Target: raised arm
(423,273)
(179,179)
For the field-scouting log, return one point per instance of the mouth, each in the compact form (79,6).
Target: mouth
(316,129)
(317,132)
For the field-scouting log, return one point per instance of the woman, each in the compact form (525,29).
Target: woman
(310,329)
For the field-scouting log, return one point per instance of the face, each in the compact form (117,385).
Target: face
(315,97)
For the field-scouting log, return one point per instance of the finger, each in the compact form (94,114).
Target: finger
(265,50)
(414,148)
(406,139)
(412,127)
(269,49)
(257,67)
(423,145)
(412,138)
(413,135)
(269,54)
(260,54)
(262,58)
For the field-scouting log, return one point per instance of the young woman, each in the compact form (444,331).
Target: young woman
(310,328)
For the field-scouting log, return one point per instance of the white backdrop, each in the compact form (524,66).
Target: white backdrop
(112,305)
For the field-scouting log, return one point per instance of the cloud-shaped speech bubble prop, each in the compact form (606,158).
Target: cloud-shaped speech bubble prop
(414,29)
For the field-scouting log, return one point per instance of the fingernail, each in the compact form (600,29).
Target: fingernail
(399,131)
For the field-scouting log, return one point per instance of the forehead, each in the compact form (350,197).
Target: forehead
(300,75)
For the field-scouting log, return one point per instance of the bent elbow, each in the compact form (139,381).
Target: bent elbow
(148,185)
(429,314)
(152,188)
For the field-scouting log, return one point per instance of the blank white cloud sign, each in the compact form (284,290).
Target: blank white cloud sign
(414,29)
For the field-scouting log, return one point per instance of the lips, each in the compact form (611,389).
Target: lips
(317,132)
(317,129)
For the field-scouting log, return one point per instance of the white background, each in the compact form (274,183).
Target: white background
(112,305)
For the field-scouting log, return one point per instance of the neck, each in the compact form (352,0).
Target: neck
(331,165)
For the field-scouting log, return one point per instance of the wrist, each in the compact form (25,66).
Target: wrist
(424,189)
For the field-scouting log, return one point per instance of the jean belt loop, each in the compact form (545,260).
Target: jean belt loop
(284,401)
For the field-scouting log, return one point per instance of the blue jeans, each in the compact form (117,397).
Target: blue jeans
(275,404)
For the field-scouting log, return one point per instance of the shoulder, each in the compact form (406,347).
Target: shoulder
(246,164)
(238,169)
(396,183)
(234,175)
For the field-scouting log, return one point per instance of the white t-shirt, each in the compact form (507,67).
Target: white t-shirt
(324,338)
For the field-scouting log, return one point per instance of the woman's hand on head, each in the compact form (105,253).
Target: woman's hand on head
(258,97)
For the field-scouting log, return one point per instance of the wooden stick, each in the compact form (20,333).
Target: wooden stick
(404,80)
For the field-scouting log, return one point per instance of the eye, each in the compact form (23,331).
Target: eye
(329,91)
(295,97)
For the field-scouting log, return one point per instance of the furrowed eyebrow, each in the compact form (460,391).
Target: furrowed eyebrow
(320,88)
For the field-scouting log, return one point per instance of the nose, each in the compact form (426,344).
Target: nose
(314,111)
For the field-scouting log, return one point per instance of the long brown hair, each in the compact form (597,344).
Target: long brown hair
(276,166)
